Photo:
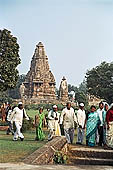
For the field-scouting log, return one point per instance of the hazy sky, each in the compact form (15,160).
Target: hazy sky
(77,34)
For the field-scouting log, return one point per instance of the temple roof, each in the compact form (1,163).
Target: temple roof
(63,78)
(40,44)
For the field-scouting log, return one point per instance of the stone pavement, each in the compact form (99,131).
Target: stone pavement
(22,166)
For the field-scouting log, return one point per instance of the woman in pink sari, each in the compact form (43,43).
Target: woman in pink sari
(109,133)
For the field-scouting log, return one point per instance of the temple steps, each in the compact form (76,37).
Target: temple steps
(82,155)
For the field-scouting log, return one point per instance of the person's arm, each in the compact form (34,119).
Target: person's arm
(79,119)
(25,115)
(84,120)
(62,117)
(107,118)
(74,117)
(50,116)
(12,115)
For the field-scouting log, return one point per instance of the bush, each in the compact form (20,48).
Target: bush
(27,124)
(60,158)
(3,123)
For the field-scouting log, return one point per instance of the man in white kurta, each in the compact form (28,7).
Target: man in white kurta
(81,118)
(68,120)
(53,123)
(17,116)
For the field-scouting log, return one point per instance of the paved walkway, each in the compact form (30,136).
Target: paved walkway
(21,166)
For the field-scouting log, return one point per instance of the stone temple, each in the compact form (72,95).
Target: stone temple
(40,82)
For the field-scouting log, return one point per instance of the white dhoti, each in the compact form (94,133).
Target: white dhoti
(54,129)
(18,131)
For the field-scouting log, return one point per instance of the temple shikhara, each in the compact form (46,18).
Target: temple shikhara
(39,85)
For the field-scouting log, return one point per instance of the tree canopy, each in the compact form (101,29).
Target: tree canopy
(99,81)
(15,93)
(9,60)
(80,92)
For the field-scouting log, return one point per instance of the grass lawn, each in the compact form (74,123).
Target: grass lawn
(16,151)
(32,113)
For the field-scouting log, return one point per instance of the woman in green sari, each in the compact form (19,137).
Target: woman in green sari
(39,132)
(91,127)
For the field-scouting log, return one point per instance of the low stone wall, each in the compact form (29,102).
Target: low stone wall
(45,154)
(3,128)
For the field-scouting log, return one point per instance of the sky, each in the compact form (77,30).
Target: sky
(77,34)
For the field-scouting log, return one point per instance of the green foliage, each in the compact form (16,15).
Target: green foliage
(60,158)
(15,93)
(100,81)
(81,97)
(3,123)
(4,98)
(9,60)
(80,92)
(45,106)
(27,125)
(72,88)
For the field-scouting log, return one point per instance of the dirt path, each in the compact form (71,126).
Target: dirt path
(21,166)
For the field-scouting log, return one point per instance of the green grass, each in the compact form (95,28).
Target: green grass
(32,113)
(16,151)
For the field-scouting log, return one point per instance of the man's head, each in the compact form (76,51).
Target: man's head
(20,105)
(106,106)
(93,108)
(40,110)
(55,108)
(101,105)
(68,105)
(81,105)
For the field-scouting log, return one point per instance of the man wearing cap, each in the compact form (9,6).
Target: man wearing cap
(17,116)
(53,123)
(81,118)
(68,120)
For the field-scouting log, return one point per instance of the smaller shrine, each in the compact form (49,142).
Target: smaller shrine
(63,90)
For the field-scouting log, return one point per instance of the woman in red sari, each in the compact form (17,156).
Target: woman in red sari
(109,120)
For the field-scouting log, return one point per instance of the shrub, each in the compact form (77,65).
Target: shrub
(27,124)
(3,123)
(60,158)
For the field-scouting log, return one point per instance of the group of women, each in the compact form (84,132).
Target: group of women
(93,126)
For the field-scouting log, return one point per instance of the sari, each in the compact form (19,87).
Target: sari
(91,128)
(39,132)
(57,128)
(109,135)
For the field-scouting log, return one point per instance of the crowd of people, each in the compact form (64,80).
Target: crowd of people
(98,124)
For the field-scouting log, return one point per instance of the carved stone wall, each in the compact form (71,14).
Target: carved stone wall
(40,82)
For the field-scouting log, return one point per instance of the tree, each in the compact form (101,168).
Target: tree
(83,87)
(15,93)
(72,88)
(80,92)
(81,97)
(99,81)
(9,60)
